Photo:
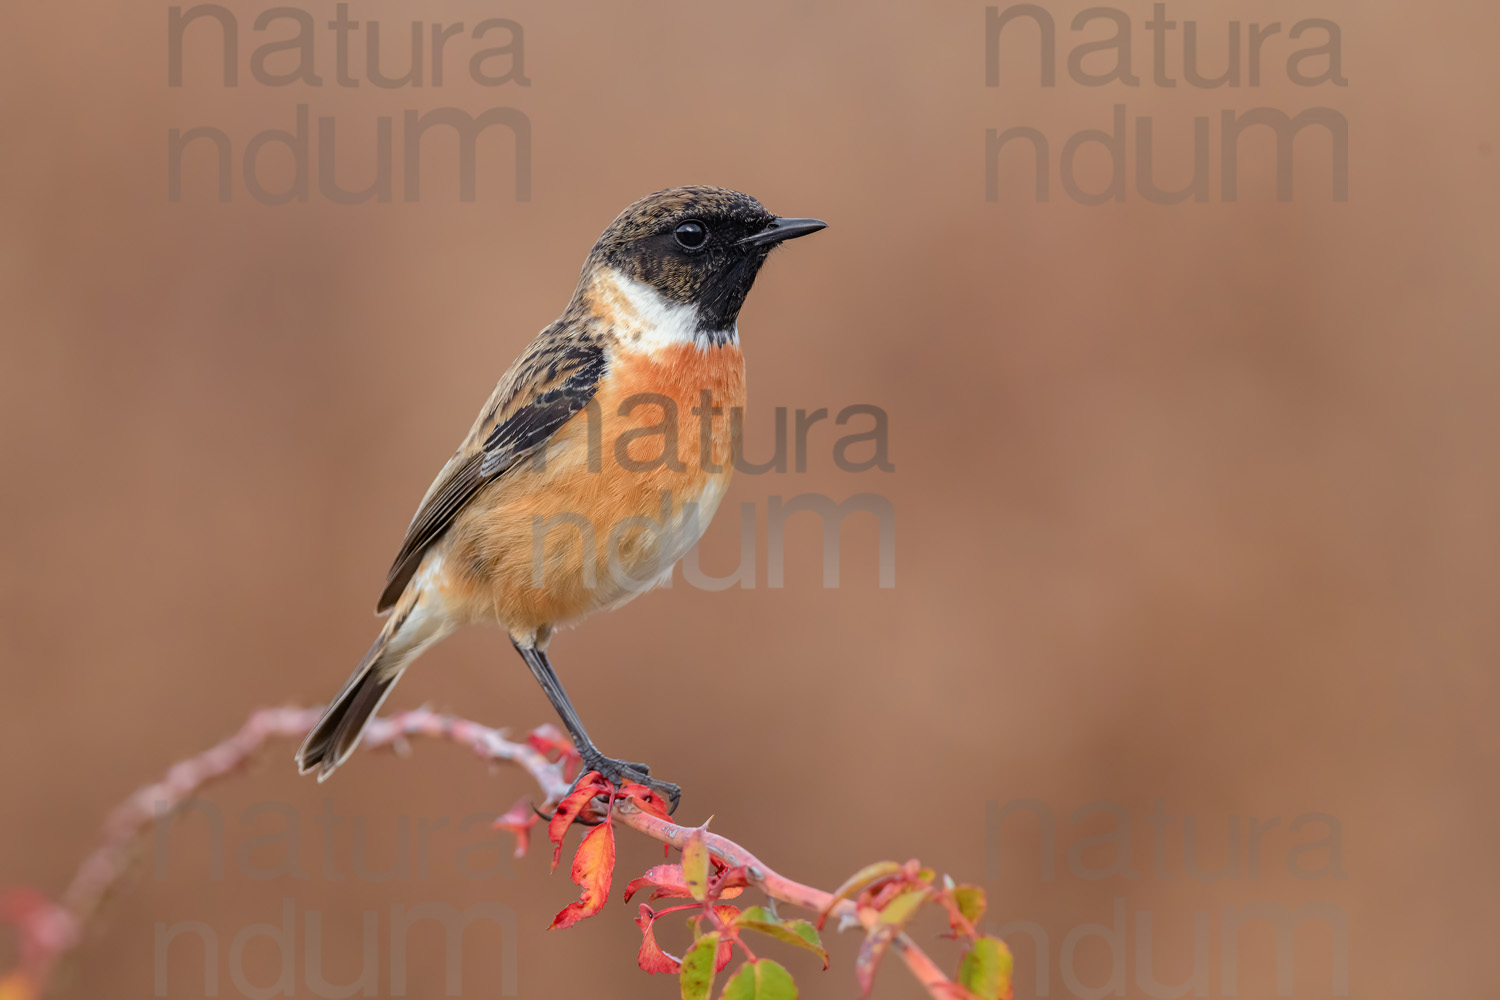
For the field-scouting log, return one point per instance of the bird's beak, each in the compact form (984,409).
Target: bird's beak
(784,229)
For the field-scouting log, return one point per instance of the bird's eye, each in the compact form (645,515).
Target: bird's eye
(692,235)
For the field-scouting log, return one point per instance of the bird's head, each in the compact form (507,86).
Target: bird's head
(697,247)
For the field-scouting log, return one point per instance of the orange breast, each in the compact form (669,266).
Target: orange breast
(666,387)
(625,488)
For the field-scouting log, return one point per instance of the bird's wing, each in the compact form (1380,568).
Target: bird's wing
(552,380)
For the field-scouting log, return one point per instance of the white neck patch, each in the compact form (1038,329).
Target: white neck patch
(649,321)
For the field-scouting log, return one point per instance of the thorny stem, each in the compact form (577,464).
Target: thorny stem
(778,886)
(51,930)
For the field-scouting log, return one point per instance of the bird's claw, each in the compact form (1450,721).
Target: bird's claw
(618,773)
(623,772)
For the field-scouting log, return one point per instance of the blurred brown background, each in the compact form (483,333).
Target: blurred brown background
(1195,503)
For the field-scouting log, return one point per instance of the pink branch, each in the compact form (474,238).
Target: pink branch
(49,930)
(785,890)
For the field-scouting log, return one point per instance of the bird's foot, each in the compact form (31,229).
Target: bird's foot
(623,772)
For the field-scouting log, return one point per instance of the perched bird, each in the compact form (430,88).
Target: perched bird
(595,465)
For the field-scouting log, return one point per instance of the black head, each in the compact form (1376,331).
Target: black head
(698,246)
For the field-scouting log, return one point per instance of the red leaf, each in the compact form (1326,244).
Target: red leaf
(593,868)
(646,800)
(519,822)
(568,809)
(727,914)
(651,958)
(666,880)
(730,882)
(879,896)
(549,741)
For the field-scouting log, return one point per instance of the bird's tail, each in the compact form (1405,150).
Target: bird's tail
(407,632)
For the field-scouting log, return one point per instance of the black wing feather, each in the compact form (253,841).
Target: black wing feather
(511,440)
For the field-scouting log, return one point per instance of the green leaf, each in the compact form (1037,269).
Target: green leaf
(854,883)
(697,979)
(760,980)
(695,865)
(795,932)
(899,910)
(970,900)
(802,928)
(985,970)
(807,932)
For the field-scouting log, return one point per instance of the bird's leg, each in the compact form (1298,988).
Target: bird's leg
(616,771)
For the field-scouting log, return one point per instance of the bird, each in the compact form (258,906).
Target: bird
(594,466)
